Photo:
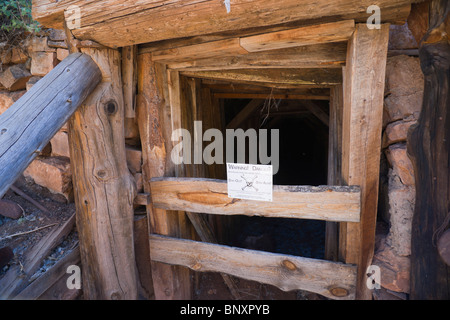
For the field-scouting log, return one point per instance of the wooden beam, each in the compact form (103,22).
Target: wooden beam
(295,77)
(251,107)
(301,202)
(363,87)
(330,279)
(129,79)
(269,95)
(317,111)
(169,282)
(429,149)
(309,35)
(100,174)
(29,124)
(330,55)
(123,23)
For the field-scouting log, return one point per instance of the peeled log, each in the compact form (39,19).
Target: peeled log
(29,124)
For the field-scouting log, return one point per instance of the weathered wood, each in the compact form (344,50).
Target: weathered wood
(429,148)
(267,95)
(330,55)
(28,125)
(302,202)
(330,279)
(363,87)
(46,281)
(309,35)
(17,277)
(123,23)
(169,282)
(104,187)
(313,76)
(315,110)
(129,79)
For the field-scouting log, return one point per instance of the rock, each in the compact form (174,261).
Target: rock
(396,132)
(52,173)
(6,255)
(400,38)
(134,159)
(18,56)
(61,54)
(10,209)
(39,44)
(399,160)
(33,80)
(60,144)
(42,63)
(404,88)
(57,35)
(443,246)
(15,78)
(8,98)
(395,270)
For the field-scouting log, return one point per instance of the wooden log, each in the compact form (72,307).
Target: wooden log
(123,23)
(330,55)
(363,87)
(309,35)
(429,147)
(17,277)
(28,125)
(129,78)
(295,77)
(330,279)
(302,202)
(142,249)
(104,187)
(169,282)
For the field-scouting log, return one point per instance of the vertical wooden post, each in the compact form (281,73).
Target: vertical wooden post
(429,148)
(170,282)
(104,187)
(364,78)
(334,166)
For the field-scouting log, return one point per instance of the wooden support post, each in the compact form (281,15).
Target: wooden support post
(364,78)
(170,282)
(429,148)
(104,188)
(28,125)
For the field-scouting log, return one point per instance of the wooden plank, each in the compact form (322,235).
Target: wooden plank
(429,148)
(17,277)
(330,279)
(129,79)
(29,124)
(221,48)
(265,96)
(100,174)
(309,35)
(330,55)
(362,125)
(296,77)
(301,202)
(128,22)
(169,282)
(251,107)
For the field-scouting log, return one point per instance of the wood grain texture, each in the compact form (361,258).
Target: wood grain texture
(363,86)
(104,187)
(309,35)
(302,202)
(120,23)
(29,124)
(330,279)
(169,282)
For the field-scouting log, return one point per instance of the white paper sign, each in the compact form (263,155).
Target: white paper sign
(250,181)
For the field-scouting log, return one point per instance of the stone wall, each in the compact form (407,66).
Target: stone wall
(21,68)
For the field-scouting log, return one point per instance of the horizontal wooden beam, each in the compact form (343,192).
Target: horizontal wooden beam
(297,77)
(301,202)
(269,95)
(118,23)
(330,279)
(329,55)
(309,35)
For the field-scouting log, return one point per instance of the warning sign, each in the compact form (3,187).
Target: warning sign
(250,181)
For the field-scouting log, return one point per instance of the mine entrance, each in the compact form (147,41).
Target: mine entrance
(302,160)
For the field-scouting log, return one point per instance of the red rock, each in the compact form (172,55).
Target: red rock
(60,144)
(42,63)
(10,209)
(396,132)
(15,78)
(52,173)
(401,164)
(134,159)
(6,255)
(8,98)
(61,54)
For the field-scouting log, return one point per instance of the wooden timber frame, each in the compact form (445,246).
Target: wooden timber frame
(295,52)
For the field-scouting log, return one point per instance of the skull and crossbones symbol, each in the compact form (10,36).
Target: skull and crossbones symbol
(249,182)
